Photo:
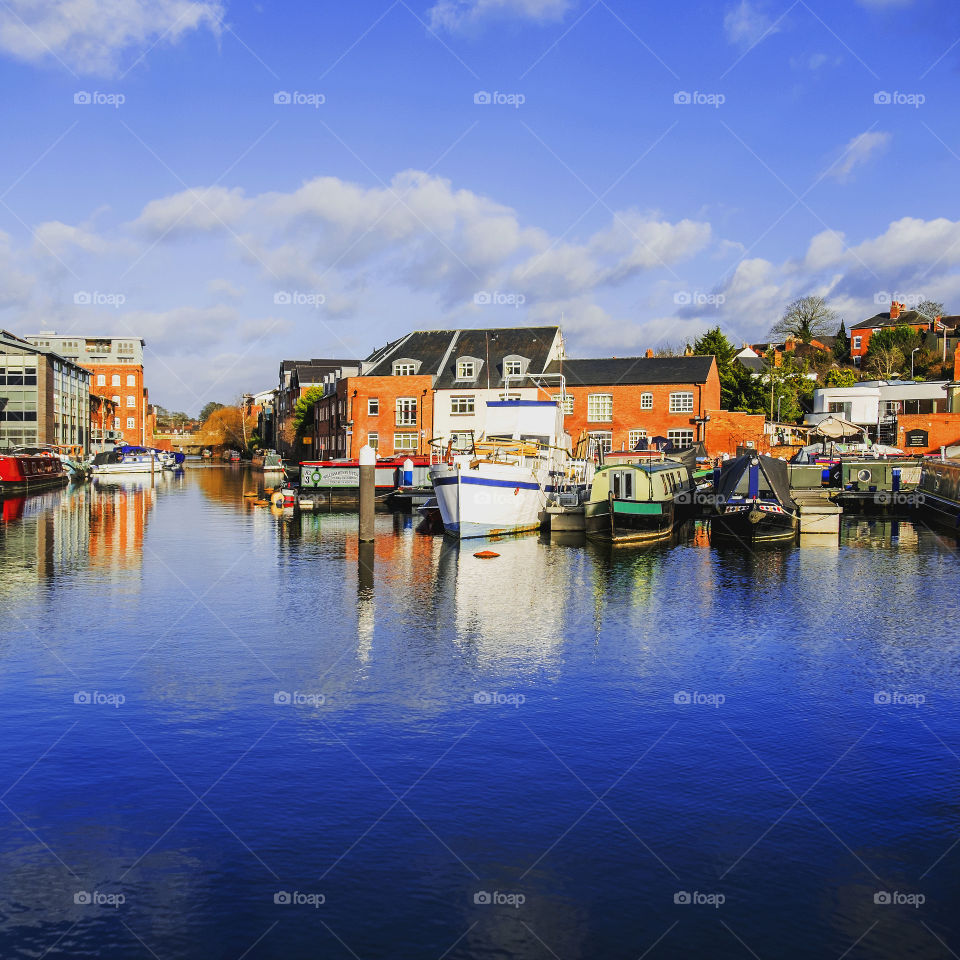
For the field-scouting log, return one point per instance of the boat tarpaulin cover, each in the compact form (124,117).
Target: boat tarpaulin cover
(774,479)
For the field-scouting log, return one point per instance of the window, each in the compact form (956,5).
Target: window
(600,406)
(565,401)
(101,380)
(131,401)
(406,411)
(404,441)
(131,379)
(404,369)
(462,441)
(622,483)
(373,439)
(646,401)
(461,406)
(634,437)
(466,370)
(115,380)
(373,408)
(508,396)
(681,402)
(131,423)
(116,423)
(856,342)
(680,438)
(603,440)
(115,398)
(512,368)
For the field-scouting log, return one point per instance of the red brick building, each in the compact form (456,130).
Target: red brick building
(897,316)
(621,400)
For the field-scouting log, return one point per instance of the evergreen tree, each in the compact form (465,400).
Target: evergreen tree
(841,348)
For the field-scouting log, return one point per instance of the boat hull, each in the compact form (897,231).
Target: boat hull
(633,521)
(490,501)
(755,525)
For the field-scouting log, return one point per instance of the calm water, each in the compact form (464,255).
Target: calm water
(268,720)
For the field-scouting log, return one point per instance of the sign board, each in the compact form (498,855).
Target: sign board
(315,477)
(917,438)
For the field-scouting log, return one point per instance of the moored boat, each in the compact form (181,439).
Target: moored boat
(26,472)
(267,461)
(131,461)
(501,486)
(634,502)
(753,500)
(938,494)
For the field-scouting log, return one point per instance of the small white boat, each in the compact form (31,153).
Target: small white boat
(501,486)
(117,462)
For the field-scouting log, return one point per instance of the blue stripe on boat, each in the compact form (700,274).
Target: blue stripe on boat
(483,482)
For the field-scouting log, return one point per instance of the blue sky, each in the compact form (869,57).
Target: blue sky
(644,170)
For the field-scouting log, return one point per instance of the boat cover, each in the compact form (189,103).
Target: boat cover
(774,479)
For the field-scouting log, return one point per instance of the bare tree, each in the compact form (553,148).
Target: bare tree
(806,319)
(885,361)
(931,309)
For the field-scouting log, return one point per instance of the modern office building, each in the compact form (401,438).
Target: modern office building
(44,397)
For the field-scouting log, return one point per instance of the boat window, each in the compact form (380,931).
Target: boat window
(616,485)
(628,485)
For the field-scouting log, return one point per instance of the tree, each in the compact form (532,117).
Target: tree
(845,377)
(302,410)
(229,427)
(805,320)
(841,346)
(890,349)
(885,359)
(931,309)
(209,408)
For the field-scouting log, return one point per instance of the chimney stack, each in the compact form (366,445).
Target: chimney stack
(649,353)
(895,309)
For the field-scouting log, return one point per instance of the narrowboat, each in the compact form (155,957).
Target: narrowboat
(268,461)
(26,472)
(638,501)
(336,483)
(753,500)
(938,495)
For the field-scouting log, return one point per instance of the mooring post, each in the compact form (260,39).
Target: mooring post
(368,487)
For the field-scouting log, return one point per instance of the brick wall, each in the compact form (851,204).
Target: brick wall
(943,430)
(137,433)
(728,429)
(629,412)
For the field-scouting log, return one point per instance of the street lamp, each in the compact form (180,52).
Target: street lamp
(779,401)
(912,352)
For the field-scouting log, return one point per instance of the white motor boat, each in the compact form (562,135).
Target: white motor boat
(501,485)
(116,462)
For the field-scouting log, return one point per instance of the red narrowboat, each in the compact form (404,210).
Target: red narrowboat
(24,473)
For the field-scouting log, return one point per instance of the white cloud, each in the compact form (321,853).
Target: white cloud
(91,36)
(224,288)
(61,238)
(857,152)
(192,211)
(746,24)
(457,15)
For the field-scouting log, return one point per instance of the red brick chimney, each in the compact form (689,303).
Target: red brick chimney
(895,309)
(649,352)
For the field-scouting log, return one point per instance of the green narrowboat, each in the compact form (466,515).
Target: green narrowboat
(636,502)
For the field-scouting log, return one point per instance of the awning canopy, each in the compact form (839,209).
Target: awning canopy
(836,428)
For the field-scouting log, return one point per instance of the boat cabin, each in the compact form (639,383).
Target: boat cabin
(640,482)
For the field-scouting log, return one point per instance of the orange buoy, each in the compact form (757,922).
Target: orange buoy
(486,554)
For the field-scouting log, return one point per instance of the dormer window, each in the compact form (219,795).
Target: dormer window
(512,368)
(405,367)
(466,369)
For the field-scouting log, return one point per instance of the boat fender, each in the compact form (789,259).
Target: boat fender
(277,499)
(516,491)
(755,516)
(486,554)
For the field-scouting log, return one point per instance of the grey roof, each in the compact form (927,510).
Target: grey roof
(754,364)
(884,320)
(438,350)
(634,370)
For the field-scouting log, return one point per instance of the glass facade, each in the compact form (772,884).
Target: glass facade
(18,386)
